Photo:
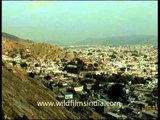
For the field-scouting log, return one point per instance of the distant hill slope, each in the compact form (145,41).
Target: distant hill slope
(13,37)
(122,40)
(13,44)
(9,45)
(46,51)
(9,36)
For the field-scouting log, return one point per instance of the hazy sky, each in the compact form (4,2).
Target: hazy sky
(70,21)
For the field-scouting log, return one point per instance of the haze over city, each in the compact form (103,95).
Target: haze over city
(71,21)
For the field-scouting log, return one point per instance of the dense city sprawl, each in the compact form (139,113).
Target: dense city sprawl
(125,74)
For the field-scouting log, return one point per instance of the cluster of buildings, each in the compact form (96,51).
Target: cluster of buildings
(140,61)
(136,60)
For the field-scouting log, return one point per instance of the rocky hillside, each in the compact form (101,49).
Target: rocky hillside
(15,38)
(12,46)
(9,45)
(20,95)
(46,51)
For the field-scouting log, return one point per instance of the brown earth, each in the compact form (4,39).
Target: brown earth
(20,95)
(36,50)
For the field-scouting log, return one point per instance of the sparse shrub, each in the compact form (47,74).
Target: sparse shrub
(23,65)
(116,92)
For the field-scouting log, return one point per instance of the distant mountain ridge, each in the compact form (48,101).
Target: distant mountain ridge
(121,40)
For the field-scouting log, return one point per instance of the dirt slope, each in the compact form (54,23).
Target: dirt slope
(20,96)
